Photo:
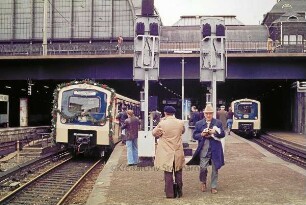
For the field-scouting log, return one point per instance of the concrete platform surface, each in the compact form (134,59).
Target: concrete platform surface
(251,176)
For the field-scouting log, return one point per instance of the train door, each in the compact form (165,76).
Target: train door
(4,110)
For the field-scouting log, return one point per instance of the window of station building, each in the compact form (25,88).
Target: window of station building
(6,20)
(38,19)
(286,40)
(300,39)
(22,20)
(61,19)
(102,18)
(292,39)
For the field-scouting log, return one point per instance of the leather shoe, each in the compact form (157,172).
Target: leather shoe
(203,187)
(214,191)
(179,192)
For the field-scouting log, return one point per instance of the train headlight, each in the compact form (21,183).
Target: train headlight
(255,118)
(63,120)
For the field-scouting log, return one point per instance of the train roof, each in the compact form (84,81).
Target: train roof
(245,100)
(90,85)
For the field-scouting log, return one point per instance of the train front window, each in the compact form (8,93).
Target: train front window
(81,104)
(246,110)
(84,106)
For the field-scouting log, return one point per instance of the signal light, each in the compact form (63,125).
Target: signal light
(140,28)
(206,30)
(29,90)
(220,31)
(153,29)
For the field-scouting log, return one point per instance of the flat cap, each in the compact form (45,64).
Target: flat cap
(169,109)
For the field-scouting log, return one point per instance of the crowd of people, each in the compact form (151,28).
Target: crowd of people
(169,157)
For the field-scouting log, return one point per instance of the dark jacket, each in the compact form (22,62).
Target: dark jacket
(131,125)
(122,116)
(194,118)
(215,145)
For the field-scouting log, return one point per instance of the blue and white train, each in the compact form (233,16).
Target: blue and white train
(84,116)
(247,116)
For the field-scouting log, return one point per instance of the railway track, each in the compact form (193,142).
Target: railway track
(52,186)
(285,150)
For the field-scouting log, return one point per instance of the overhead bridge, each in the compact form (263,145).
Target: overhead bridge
(120,66)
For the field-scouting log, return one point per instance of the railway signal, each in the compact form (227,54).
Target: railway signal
(146,67)
(212,54)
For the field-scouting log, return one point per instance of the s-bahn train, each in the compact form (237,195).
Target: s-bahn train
(247,117)
(84,117)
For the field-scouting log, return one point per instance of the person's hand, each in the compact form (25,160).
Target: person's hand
(159,132)
(205,133)
(212,131)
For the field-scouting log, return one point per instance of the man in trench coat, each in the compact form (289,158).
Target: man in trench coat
(169,152)
(208,132)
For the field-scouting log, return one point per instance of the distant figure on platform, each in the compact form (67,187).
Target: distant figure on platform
(194,116)
(229,121)
(131,125)
(121,117)
(208,132)
(221,115)
(119,44)
(156,117)
(169,152)
(269,45)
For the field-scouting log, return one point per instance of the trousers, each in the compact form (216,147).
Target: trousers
(204,163)
(132,151)
(169,182)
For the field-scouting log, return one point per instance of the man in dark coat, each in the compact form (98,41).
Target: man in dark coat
(121,117)
(208,132)
(194,116)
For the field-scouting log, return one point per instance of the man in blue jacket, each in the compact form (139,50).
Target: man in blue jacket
(208,132)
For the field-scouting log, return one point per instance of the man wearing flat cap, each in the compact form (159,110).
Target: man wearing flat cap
(208,132)
(169,152)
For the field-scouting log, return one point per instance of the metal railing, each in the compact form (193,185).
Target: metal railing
(168,47)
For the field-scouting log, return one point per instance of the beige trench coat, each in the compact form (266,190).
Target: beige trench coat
(170,145)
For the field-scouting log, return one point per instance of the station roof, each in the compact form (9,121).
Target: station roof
(233,33)
(291,17)
(284,6)
(229,20)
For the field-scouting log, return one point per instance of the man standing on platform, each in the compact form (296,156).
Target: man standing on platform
(131,125)
(229,120)
(221,115)
(121,117)
(208,132)
(169,152)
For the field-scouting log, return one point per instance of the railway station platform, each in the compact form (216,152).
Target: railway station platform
(291,138)
(251,175)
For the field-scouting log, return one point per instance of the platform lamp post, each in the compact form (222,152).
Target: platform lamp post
(45,44)
(146,68)
(183,52)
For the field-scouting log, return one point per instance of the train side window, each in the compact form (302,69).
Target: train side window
(3,107)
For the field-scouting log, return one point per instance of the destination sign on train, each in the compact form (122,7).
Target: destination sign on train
(84,92)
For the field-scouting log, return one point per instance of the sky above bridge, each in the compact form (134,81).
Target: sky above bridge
(249,12)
